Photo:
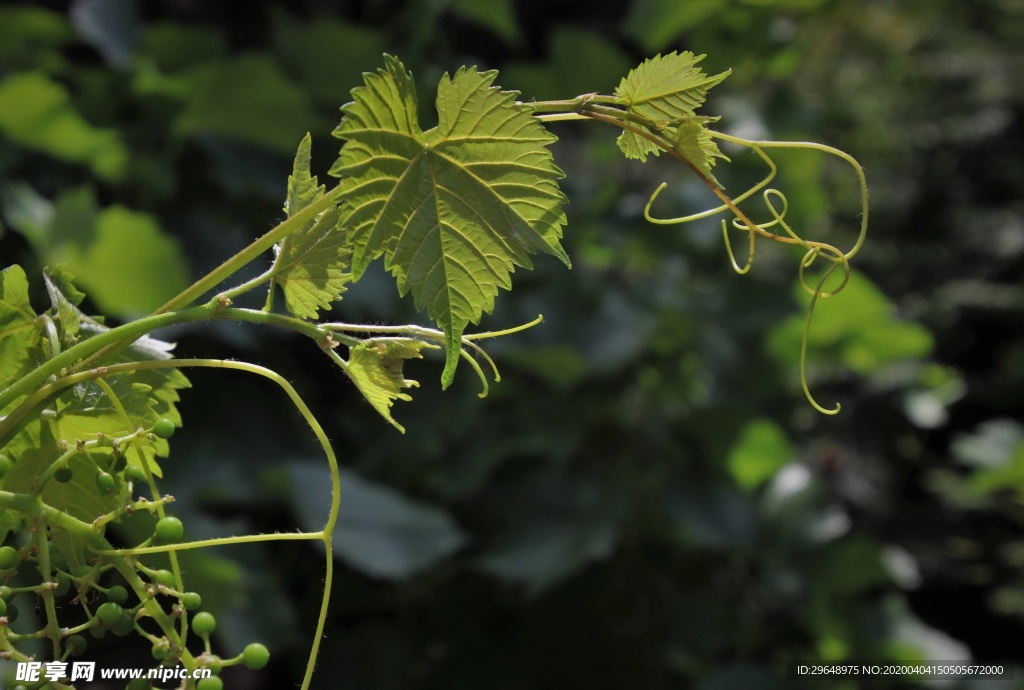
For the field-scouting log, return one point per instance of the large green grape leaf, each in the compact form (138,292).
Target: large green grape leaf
(18,333)
(453,210)
(665,89)
(311,264)
(376,369)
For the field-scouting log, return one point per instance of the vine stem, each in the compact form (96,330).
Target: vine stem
(250,252)
(36,386)
(218,275)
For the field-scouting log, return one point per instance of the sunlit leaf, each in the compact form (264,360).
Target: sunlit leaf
(667,89)
(696,146)
(453,209)
(376,369)
(311,264)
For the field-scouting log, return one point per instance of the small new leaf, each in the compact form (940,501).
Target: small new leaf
(375,366)
(311,264)
(302,186)
(666,89)
(453,210)
(697,146)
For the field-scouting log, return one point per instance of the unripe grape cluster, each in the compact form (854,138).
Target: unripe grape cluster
(113,599)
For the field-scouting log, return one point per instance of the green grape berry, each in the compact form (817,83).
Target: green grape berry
(211,683)
(204,623)
(164,577)
(63,585)
(255,656)
(118,461)
(63,475)
(57,560)
(3,607)
(6,592)
(159,651)
(191,601)
(8,557)
(125,627)
(77,645)
(117,594)
(110,614)
(105,482)
(164,428)
(134,473)
(169,530)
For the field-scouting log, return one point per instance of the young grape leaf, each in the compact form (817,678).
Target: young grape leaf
(453,210)
(311,264)
(303,188)
(19,336)
(375,366)
(697,146)
(665,89)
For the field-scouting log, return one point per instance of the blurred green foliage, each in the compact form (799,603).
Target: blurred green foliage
(645,500)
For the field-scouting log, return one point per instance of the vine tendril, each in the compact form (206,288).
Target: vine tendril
(778,206)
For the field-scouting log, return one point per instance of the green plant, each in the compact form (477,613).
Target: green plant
(452,210)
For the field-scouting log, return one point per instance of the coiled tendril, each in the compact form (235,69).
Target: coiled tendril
(778,230)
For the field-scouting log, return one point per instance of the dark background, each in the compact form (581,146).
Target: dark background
(646,500)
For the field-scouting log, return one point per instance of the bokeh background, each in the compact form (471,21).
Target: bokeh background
(646,500)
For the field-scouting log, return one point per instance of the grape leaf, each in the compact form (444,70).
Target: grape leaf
(64,297)
(697,146)
(375,366)
(146,395)
(79,497)
(666,89)
(303,188)
(311,267)
(18,333)
(453,210)
(311,264)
